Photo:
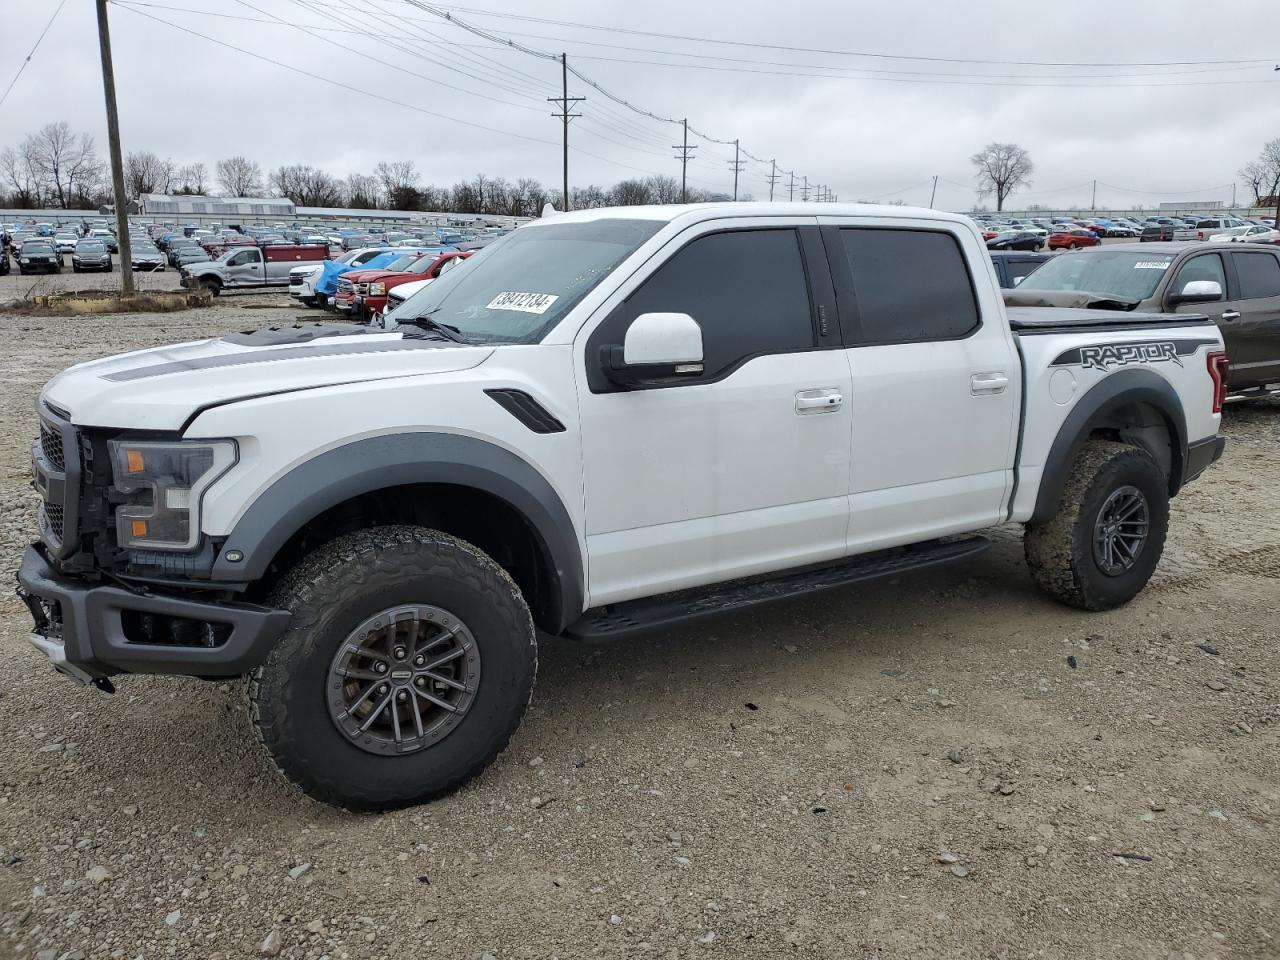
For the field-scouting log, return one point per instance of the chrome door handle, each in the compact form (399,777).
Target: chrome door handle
(826,400)
(1230,314)
(986,384)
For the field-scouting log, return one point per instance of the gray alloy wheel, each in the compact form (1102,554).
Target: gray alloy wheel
(403,679)
(1120,531)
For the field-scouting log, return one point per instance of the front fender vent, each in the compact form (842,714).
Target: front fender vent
(527,410)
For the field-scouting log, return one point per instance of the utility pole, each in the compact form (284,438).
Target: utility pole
(1093,202)
(804,193)
(113,145)
(565,115)
(791,189)
(737,167)
(683,156)
(773,177)
(934,192)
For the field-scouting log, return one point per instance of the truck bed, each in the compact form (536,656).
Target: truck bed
(1027,321)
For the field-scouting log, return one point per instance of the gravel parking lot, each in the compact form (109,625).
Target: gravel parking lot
(949,765)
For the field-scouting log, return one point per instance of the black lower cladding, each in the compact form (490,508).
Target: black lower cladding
(107,629)
(1201,454)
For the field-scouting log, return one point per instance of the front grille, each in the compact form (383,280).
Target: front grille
(51,445)
(344,286)
(54,517)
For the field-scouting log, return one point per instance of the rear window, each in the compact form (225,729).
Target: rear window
(1259,275)
(909,285)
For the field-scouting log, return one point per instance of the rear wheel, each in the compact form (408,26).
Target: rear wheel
(1102,546)
(407,667)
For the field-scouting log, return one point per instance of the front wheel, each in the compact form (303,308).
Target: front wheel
(406,668)
(1102,546)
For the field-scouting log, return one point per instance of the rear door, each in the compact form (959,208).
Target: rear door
(1254,344)
(936,381)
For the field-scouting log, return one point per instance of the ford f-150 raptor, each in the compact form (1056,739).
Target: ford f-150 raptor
(609,421)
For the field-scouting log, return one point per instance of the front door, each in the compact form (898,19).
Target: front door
(743,469)
(1255,359)
(936,382)
(245,267)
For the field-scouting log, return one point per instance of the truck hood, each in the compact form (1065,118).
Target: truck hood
(162,388)
(1078,299)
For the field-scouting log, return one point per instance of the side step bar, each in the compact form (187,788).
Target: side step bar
(655,613)
(1258,393)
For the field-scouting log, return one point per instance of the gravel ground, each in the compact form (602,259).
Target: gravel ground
(943,766)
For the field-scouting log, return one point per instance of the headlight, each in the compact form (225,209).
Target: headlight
(26,259)
(165,482)
(377,289)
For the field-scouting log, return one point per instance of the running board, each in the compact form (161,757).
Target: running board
(1270,390)
(655,613)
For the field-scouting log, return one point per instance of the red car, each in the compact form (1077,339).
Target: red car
(344,297)
(370,287)
(1073,239)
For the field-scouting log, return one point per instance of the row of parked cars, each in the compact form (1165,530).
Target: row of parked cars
(38,251)
(1068,233)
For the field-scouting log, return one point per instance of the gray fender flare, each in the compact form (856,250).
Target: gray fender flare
(376,463)
(1117,391)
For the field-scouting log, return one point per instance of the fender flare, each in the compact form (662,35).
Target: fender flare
(392,460)
(1105,398)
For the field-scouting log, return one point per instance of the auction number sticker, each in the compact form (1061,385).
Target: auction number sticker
(1152,265)
(523,302)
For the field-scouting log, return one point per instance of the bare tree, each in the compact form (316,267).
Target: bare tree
(63,160)
(399,182)
(17,167)
(631,193)
(362,192)
(307,186)
(239,177)
(1262,175)
(664,189)
(1002,168)
(191,179)
(533,196)
(144,172)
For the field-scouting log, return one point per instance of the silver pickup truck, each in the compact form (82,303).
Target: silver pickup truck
(253,267)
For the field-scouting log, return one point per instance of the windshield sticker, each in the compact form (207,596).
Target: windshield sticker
(1152,265)
(538,303)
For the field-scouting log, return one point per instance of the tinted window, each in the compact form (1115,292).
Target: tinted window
(746,288)
(1200,268)
(1259,275)
(1020,268)
(909,285)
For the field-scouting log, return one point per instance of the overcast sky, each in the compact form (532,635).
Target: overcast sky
(1181,136)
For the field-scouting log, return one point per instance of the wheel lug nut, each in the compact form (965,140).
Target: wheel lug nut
(381,667)
(419,661)
(399,653)
(402,696)
(421,681)
(383,689)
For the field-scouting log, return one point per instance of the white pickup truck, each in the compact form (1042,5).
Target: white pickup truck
(608,422)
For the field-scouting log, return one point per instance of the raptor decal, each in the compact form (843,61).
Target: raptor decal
(1104,356)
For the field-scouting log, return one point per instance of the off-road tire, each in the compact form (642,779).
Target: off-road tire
(213,286)
(333,590)
(1060,550)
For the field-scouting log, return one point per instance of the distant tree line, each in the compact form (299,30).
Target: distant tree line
(58,168)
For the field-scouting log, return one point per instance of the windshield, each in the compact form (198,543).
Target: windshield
(518,288)
(1133,276)
(90,246)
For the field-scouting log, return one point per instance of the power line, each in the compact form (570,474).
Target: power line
(34,48)
(1262,61)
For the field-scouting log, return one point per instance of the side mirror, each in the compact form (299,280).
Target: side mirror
(657,346)
(1197,291)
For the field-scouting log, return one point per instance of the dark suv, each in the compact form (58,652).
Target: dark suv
(1236,285)
(39,256)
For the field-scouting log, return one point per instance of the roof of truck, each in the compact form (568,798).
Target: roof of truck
(709,211)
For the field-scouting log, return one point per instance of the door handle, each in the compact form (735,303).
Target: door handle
(826,400)
(1230,314)
(988,384)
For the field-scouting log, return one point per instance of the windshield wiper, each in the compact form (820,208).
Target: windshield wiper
(446,330)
